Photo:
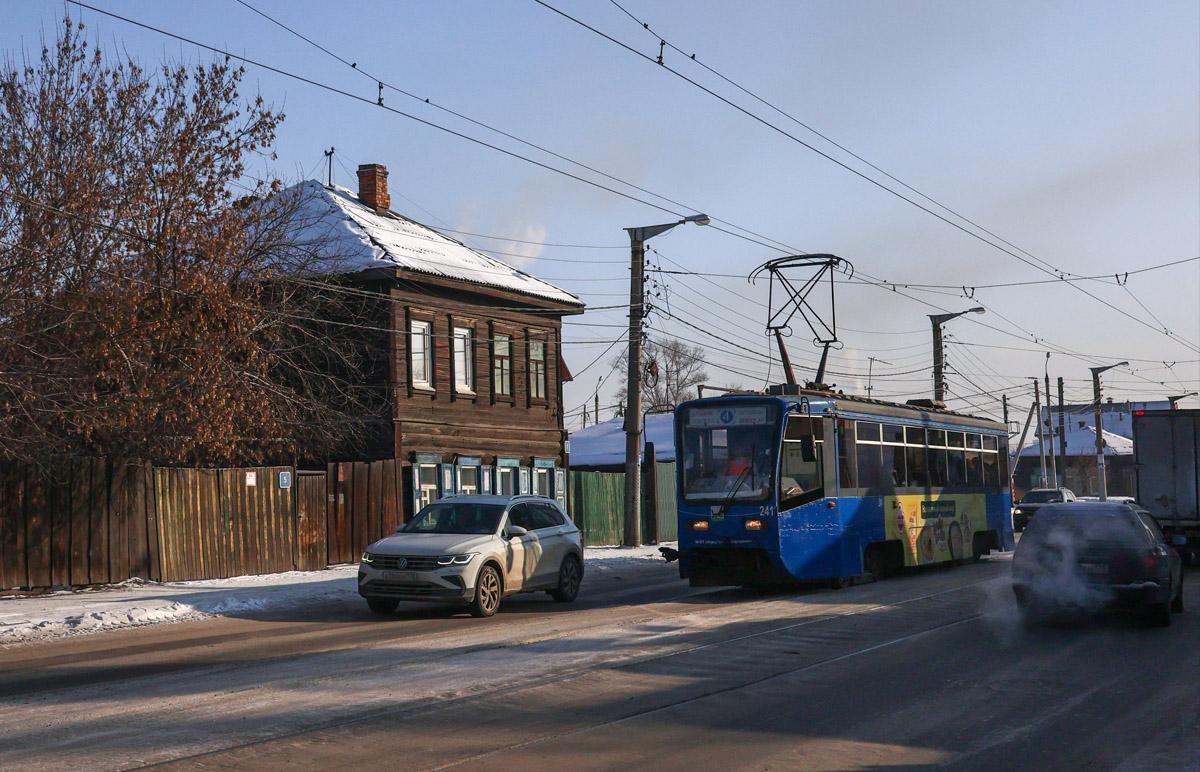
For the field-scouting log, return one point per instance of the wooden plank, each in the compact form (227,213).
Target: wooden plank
(374,502)
(118,521)
(139,551)
(310,522)
(340,534)
(153,568)
(81,499)
(98,563)
(13,561)
(37,530)
(359,531)
(58,504)
(390,492)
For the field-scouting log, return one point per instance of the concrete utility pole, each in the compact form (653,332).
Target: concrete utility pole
(1012,472)
(1062,431)
(939,352)
(1037,403)
(633,382)
(1050,425)
(1101,479)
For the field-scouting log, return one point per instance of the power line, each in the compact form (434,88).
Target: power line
(1051,270)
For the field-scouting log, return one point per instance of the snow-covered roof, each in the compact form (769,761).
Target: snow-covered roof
(603,444)
(363,240)
(1081,441)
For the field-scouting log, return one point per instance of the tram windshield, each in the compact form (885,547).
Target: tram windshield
(729,451)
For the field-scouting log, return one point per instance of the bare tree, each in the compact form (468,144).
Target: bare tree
(673,370)
(148,307)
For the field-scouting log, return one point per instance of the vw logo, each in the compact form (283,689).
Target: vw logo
(401,562)
(726,416)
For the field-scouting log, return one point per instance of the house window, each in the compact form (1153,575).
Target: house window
(506,481)
(427,484)
(468,480)
(502,365)
(420,353)
(541,482)
(537,369)
(464,364)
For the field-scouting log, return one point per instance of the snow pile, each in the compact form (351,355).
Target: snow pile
(362,240)
(138,602)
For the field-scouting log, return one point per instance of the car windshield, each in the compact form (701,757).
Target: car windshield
(1042,497)
(456,517)
(1086,522)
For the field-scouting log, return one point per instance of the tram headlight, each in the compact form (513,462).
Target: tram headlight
(699,525)
(754,524)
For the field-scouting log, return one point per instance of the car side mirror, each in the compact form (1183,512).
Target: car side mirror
(516,530)
(808,450)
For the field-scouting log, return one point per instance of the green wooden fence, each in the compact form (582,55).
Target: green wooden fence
(597,504)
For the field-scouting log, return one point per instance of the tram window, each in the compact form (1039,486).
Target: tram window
(892,472)
(914,436)
(991,476)
(1003,459)
(989,442)
(847,462)
(800,475)
(936,437)
(893,433)
(870,470)
(974,468)
(937,467)
(867,432)
(918,469)
(973,440)
(954,439)
(957,474)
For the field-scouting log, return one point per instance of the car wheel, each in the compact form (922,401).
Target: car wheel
(382,605)
(487,593)
(1177,603)
(570,576)
(1159,615)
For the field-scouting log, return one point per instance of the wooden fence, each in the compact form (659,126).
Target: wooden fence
(596,501)
(85,521)
(90,521)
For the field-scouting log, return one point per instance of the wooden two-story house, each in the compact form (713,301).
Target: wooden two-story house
(475,377)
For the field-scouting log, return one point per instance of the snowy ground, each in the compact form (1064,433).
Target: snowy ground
(139,602)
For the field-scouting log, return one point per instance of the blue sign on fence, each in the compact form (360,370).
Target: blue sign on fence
(285,480)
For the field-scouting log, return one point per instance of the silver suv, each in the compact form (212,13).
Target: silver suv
(475,550)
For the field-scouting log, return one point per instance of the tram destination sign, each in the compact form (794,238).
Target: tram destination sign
(722,417)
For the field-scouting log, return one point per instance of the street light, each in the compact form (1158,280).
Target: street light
(939,354)
(633,384)
(1103,482)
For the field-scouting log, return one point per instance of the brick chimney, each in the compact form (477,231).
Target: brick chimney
(372,186)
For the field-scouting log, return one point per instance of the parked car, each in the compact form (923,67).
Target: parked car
(475,550)
(1089,555)
(1035,499)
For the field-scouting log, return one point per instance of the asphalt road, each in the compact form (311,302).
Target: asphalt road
(928,669)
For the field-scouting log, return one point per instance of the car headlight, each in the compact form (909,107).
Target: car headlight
(366,558)
(1019,511)
(456,560)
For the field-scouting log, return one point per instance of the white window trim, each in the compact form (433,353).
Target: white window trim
(425,330)
(467,335)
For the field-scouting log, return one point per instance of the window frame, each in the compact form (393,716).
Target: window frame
(538,378)
(503,363)
(466,335)
(422,329)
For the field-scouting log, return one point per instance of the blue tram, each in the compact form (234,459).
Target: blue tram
(821,486)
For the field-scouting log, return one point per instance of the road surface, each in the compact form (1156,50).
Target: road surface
(642,672)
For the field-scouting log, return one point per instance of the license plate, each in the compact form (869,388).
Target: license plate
(400,576)
(1094,569)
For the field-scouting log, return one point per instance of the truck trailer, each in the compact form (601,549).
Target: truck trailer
(1166,454)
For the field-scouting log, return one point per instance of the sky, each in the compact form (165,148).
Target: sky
(1069,130)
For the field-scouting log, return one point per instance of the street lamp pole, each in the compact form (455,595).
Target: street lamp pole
(939,353)
(1102,480)
(633,383)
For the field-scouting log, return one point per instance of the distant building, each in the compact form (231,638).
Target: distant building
(601,447)
(1079,471)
